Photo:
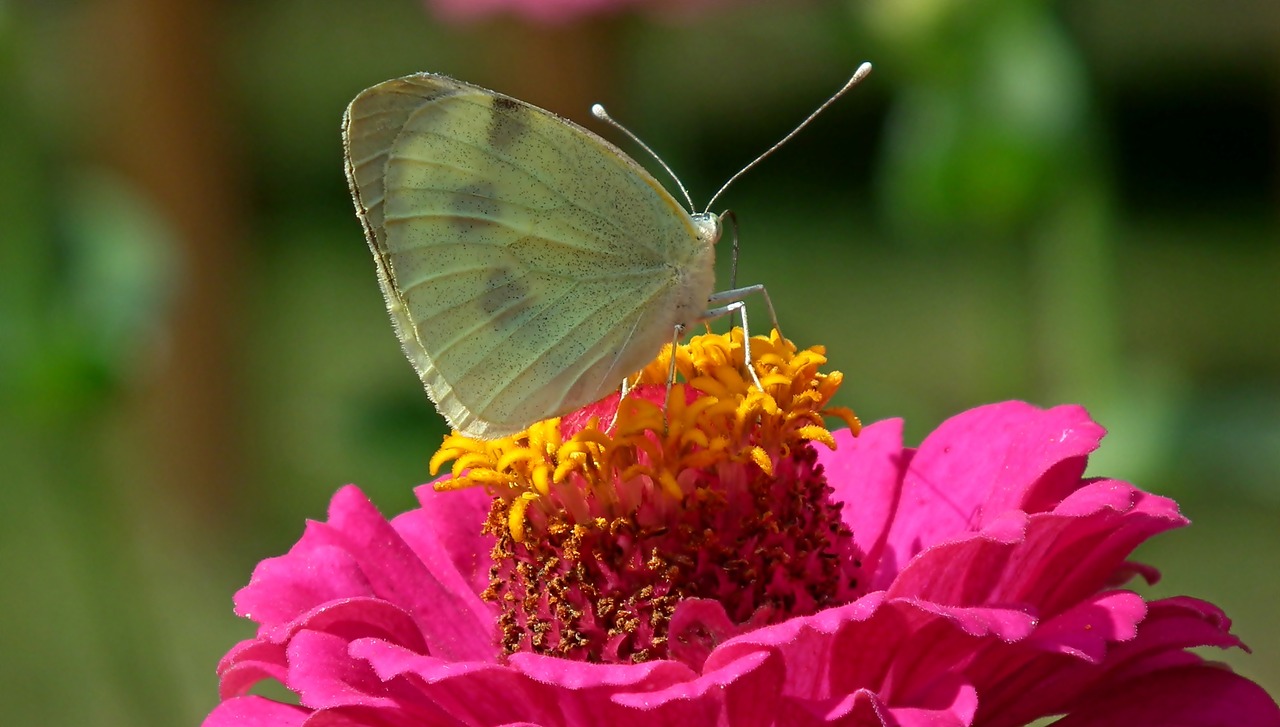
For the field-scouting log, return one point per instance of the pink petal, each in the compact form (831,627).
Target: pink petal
(741,693)
(358,553)
(255,711)
(448,525)
(1019,685)
(809,646)
(1048,561)
(1130,570)
(551,12)
(866,474)
(698,626)
(1088,629)
(955,707)
(951,705)
(460,690)
(248,663)
(449,624)
(285,587)
(355,618)
(363,718)
(1189,696)
(872,643)
(1173,625)
(540,689)
(325,675)
(1124,518)
(968,571)
(981,463)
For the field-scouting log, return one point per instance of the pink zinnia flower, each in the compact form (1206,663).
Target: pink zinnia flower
(709,565)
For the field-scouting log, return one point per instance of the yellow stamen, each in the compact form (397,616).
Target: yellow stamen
(732,421)
(515,516)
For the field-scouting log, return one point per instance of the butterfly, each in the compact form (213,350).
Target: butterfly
(528,265)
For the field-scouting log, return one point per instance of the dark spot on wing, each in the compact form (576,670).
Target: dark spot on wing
(508,123)
(474,206)
(505,291)
(435,94)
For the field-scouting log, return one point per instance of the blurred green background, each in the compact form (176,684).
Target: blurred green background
(1060,202)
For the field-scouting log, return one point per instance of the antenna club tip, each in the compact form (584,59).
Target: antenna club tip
(597,110)
(863,71)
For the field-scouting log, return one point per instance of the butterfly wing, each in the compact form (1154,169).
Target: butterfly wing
(528,265)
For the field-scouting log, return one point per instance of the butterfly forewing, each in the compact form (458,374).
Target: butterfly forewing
(528,265)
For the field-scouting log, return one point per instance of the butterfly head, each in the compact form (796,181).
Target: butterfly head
(709,226)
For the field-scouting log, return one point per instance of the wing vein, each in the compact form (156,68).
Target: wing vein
(535,360)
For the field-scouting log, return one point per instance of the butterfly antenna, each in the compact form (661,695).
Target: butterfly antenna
(598,111)
(857,76)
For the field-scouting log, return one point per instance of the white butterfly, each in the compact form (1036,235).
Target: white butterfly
(528,264)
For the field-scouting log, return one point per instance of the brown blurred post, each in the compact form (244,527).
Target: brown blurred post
(562,68)
(154,87)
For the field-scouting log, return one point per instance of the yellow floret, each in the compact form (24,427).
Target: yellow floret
(733,421)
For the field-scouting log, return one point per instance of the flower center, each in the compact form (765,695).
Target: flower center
(607,527)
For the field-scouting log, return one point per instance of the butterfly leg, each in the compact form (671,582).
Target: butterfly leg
(740,308)
(624,390)
(676,333)
(737,304)
(737,295)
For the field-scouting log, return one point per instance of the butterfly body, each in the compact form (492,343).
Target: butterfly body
(528,265)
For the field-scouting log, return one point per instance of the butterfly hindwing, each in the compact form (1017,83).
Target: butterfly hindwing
(528,264)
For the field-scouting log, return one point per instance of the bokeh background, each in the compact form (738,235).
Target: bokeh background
(1060,202)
